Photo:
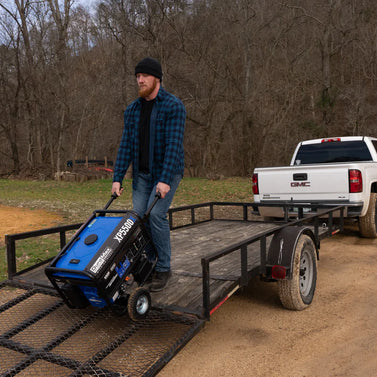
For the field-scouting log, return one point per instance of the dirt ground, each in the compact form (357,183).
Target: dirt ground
(16,220)
(252,335)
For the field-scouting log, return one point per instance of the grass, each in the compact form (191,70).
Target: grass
(76,201)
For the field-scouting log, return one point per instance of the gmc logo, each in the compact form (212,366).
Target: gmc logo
(300,184)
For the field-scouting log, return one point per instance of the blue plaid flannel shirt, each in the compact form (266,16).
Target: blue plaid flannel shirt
(166,143)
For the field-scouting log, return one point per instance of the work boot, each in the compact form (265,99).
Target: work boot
(160,279)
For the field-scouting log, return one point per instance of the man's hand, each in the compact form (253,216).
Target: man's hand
(116,188)
(163,189)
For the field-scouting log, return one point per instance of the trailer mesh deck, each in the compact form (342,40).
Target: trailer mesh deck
(40,336)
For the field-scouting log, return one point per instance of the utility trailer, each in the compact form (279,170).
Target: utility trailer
(217,248)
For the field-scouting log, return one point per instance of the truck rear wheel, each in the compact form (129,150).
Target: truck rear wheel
(368,223)
(298,292)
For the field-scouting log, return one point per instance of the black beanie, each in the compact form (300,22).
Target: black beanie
(149,66)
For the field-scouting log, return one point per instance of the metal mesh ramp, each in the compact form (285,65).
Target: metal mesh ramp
(40,336)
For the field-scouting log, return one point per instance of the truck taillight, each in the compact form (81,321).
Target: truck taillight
(355,180)
(255,184)
(330,140)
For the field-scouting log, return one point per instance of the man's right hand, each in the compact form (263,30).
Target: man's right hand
(117,188)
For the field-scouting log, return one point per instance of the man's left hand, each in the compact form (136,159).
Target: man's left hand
(163,189)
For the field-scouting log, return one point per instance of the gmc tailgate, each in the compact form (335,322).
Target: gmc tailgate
(309,183)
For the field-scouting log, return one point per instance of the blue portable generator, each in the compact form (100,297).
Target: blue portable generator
(106,263)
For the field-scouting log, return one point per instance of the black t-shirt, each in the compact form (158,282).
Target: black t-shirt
(145,117)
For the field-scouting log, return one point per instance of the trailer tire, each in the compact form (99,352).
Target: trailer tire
(368,223)
(139,304)
(297,293)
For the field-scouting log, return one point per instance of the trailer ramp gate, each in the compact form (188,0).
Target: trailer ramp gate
(41,336)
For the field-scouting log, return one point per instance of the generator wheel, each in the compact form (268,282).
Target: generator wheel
(139,304)
(297,293)
(368,223)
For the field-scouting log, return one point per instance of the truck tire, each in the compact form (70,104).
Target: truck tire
(368,223)
(297,293)
(139,304)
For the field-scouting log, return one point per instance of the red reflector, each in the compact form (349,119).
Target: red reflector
(255,184)
(278,272)
(329,140)
(355,180)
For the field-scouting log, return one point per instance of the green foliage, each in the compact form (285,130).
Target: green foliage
(76,201)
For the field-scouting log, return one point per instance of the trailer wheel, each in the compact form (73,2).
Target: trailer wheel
(297,293)
(139,304)
(368,223)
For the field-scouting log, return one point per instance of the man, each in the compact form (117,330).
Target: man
(152,141)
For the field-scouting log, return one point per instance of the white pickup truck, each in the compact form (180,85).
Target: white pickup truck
(331,171)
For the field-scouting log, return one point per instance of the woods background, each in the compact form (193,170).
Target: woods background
(256,77)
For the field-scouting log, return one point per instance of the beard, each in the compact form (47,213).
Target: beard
(146,91)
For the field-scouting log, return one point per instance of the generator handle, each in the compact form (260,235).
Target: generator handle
(155,200)
(113,197)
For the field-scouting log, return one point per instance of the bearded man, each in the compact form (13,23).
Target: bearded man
(152,141)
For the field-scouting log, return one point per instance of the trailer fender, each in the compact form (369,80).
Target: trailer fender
(282,248)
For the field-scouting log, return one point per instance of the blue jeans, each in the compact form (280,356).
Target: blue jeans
(158,225)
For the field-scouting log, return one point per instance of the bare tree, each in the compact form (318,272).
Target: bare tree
(255,76)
